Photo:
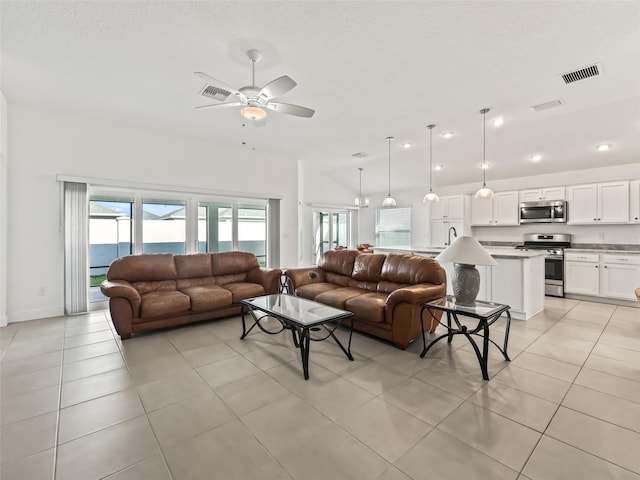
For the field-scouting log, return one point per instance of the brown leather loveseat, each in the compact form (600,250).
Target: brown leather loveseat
(384,292)
(152,291)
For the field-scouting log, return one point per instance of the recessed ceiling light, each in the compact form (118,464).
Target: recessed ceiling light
(406,145)
(447,134)
(536,158)
(438,167)
(603,147)
(498,121)
(484,165)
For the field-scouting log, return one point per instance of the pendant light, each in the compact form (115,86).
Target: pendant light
(430,197)
(389,201)
(360,203)
(484,192)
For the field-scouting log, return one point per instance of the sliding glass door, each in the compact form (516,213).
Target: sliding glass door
(330,230)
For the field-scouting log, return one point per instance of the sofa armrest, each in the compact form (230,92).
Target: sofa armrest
(416,294)
(298,277)
(122,288)
(269,278)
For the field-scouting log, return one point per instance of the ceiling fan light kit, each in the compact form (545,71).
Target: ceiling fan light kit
(484,192)
(430,197)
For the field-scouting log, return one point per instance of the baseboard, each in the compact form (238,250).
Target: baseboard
(609,301)
(4,321)
(26,315)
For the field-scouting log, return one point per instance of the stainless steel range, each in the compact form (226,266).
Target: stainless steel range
(554,244)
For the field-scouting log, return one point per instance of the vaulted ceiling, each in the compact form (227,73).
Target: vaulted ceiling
(370,70)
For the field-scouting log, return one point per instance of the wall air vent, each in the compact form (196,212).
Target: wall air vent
(582,73)
(547,105)
(215,93)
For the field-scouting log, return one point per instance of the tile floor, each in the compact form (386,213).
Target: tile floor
(198,403)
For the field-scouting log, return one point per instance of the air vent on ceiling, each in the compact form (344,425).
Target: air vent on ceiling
(547,105)
(582,73)
(360,154)
(215,93)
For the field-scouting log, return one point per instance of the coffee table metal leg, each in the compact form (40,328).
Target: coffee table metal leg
(485,352)
(304,351)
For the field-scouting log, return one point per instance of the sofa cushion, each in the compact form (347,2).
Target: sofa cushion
(368,307)
(338,297)
(243,290)
(193,265)
(163,304)
(412,269)
(368,268)
(144,267)
(226,263)
(183,283)
(388,287)
(338,261)
(208,297)
(337,279)
(155,286)
(312,290)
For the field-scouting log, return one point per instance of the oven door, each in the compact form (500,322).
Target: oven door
(554,275)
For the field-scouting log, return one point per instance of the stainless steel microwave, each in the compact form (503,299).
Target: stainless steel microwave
(553,211)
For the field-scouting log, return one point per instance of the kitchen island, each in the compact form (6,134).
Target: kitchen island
(517,280)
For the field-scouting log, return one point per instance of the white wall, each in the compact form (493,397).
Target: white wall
(45,143)
(3,210)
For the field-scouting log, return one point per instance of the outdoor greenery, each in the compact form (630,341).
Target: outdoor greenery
(96,280)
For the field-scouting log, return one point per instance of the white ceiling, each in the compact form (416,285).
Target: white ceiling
(369,69)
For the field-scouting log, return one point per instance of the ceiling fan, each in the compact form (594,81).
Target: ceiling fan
(252,99)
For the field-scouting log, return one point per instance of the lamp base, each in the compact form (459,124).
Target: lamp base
(466,283)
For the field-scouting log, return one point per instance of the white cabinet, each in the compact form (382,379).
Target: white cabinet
(607,275)
(450,211)
(501,210)
(598,203)
(448,207)
(537,194)
(634,194)
(440,231)
(581,273)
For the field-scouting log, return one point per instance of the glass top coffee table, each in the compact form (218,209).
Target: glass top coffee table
(485,313)
(302,317)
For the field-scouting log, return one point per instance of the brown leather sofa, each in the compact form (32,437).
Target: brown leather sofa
(384,292)
(151,291)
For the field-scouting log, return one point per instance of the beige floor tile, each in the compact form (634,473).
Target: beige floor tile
(90,351)
(422,400)
(106,451)
(521,407)
(102,412)
(622,354)
(161,367)
(547,366)
(143,348)
(502,439)
(605,440)
(251,393)
(36,467)
(574,331)
(92,366)
(559,352)
(86,328)
(229,450)
(189,418)
(385,428)
(9,331)
(27,437)
(201,356)
(88,339)
(85,319)
(95,386)
(169,390)
(30,364)
(227,371)
(453,379)
(329,452)
(609,408)
(565,342)
(554,460)
(27,405)
(29,347)
(28,382)
(373,378)
(404,362)
(613,367)
(191,337)
(152,468)
(392,473)
(441,456)
(600,317)
(620,338)
(533,383)
(273,355)
(610,384)
(363,345)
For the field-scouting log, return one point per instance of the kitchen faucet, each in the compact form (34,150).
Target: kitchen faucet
(455,234)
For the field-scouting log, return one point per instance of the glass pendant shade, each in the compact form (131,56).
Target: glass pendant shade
(389,201)
(484,192)
(253,113)
(430,197)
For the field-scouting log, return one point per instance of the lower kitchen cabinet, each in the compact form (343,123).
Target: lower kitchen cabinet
(602,275)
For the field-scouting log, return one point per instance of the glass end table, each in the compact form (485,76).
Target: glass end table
(485,313)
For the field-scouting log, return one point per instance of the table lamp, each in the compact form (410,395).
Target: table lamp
(465,253)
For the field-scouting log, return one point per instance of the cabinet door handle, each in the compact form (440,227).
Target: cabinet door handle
(595,219)
(605,266)
(596,266)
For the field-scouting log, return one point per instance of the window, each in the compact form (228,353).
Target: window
(393,227)
(164,227)
(330,230)
(252,231)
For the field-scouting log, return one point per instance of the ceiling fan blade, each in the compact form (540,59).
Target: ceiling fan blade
(221,105)
(217,83)
(278,87)
(289,109)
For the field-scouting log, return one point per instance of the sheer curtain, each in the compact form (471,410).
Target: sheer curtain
(76,239)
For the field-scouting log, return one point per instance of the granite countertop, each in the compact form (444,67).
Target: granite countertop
(603,250)
(497,252)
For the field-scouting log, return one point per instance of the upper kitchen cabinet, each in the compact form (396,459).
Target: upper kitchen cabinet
(634,192)
(501,210)
(448,207)
(537,194)
(598,203)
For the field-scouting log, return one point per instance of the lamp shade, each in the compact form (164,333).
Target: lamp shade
(466,250)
